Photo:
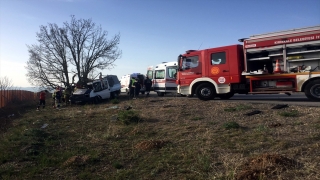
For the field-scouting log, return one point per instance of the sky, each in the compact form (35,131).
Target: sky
(152,31)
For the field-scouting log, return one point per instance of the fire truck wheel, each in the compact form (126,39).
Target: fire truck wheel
(226,96)
(206,91)
(312,90)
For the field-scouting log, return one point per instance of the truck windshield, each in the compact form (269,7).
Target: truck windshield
(190,62)
(97,86)
(172,70)
(159,74)
(150,74)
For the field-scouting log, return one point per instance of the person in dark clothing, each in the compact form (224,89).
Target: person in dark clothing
(147,84)
(137,87)
(42,100)
(58,96)
(131,87)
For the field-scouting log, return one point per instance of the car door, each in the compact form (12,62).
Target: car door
(170,83)
(102,89)
(218,66)
(105,93)
(150,75)
(159,80)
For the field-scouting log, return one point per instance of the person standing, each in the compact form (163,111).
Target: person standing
(132,87)
(54,99)
(147,84)
(66,95)
(42,100)
(137,87)
(58,96)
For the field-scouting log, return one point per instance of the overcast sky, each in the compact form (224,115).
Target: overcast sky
(152,31)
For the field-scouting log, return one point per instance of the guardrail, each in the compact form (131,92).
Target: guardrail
(12,96)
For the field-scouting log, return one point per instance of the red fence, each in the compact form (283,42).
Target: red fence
(12,96)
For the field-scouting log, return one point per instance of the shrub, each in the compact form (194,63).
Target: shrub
(231,125)
(261,128)
(293,113)
(115,101)
(196,118)
(128,116)
(117,165)
(238,108)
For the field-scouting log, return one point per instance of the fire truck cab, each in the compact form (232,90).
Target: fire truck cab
(209,73)
(279,62)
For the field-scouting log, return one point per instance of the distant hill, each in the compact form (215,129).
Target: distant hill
(32,89)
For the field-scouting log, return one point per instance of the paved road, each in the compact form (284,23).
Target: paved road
(294,99)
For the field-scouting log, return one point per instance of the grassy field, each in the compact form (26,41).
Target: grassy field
(162,138)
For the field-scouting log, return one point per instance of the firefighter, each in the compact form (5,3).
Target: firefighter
(66,95)
(131,87)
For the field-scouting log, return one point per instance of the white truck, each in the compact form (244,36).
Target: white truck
(100,89)
(163,77)
(125,81)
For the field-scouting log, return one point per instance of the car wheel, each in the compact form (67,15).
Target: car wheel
(96,100)
(112,95)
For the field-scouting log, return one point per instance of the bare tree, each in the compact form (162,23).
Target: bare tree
(5,83)
(78,47)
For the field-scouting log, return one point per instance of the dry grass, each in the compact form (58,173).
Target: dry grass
(163,138)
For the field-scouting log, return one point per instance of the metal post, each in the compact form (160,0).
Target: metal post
(284,58)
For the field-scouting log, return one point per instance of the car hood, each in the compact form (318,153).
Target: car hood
(82,91)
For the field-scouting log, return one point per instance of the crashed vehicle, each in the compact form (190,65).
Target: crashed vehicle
(97,90)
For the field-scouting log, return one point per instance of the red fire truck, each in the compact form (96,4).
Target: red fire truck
(272,63)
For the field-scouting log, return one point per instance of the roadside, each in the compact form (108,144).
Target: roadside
(161,138)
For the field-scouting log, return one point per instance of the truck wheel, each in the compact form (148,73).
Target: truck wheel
(206,91)
(112,95)
(160,94)
(226,96)
(117,94)
(96,100)
(312,90)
